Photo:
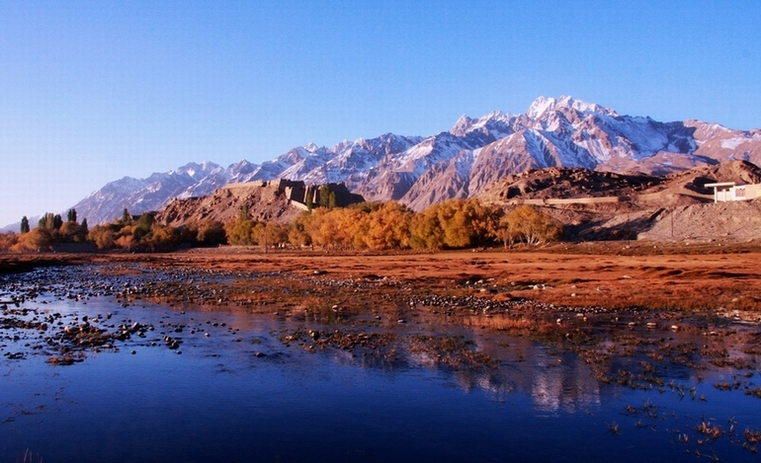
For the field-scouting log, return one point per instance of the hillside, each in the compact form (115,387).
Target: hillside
(277,201)
(603,205)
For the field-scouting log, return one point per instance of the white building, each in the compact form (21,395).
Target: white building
(730,191)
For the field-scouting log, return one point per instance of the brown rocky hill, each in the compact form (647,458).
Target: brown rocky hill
(606,205)
(275,201)
(578,185)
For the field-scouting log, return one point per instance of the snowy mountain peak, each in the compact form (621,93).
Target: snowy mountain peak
(195,170)
(542,105)
(539,107)
(462,126)
(495,121)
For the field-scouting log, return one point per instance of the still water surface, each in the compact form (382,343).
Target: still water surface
(217,400)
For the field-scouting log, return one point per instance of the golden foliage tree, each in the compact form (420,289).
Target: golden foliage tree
(298,231)
(529,225)
(426,231)
(161,238)
(456,223)
(36,240)
(388,227)
(239,231)
(72,232)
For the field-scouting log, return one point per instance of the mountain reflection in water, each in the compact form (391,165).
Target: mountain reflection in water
(234,390)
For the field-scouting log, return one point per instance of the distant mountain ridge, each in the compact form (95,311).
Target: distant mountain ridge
(458,163)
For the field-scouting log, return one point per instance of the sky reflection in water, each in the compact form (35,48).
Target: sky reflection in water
(219,401)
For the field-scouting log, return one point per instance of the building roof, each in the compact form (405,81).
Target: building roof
(720,184)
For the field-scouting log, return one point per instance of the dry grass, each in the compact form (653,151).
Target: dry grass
(611,275)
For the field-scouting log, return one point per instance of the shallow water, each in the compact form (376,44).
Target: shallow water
(214,398)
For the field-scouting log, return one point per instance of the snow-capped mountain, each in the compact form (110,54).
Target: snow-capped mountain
(458,163)
(152,193)
(553,133)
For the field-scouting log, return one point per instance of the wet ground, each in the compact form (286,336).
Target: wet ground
(131,362)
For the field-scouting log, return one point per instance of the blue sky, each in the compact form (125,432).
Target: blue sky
(92,91)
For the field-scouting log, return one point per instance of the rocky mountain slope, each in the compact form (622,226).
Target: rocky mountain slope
(459,163)
(597,205)
(267,201)
(578,183)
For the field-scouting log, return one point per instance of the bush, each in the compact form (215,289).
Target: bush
(8,240)
(36,240)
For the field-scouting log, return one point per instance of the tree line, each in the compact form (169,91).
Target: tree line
(454,224)
(51,229)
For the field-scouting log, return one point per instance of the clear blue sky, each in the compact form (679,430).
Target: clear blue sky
(91,91)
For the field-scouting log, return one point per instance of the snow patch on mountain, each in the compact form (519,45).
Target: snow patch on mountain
(733,143)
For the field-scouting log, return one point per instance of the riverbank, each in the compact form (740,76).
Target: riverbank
(708,276)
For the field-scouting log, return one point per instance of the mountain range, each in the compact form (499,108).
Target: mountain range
(458,163)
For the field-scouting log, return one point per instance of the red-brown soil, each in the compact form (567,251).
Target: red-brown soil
(710,276)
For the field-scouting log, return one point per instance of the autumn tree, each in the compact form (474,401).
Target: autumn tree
(426,231)
(271,234)
(36,240)
(323,229)
(161,238)
(239,231)
(298,230)
(211,233)
(388,227)
(260,235)
(530,225)
(104,236)
(456,223)
(72,232)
